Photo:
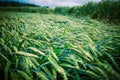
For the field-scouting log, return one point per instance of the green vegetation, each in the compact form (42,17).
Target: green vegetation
(41,10)
(16,4)
(38,46)
(108,10)
(25,7)
(50,46)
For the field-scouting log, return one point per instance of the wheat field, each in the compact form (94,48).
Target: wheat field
(37,46)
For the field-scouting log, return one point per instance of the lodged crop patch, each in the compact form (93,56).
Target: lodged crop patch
(37,46)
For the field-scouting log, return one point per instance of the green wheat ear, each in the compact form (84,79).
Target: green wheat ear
(37,50)
(41,75)
(27,54)
(24,75)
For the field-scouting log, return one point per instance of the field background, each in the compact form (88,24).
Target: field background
(65,43)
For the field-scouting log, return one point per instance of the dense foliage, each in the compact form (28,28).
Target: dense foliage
(15,4)
(42,10)
(24,7)
(108,10)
